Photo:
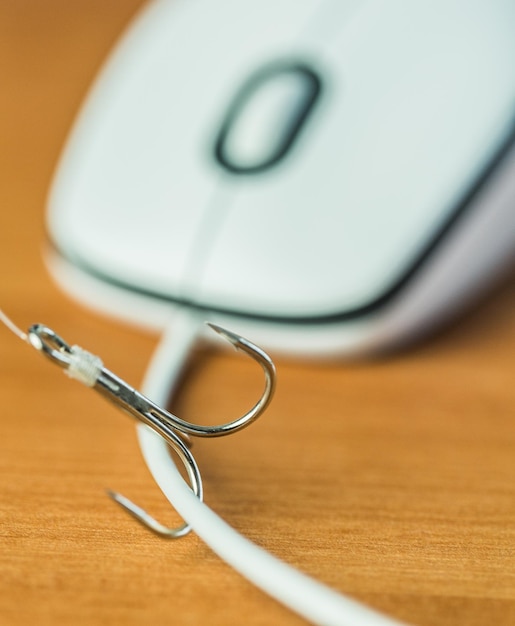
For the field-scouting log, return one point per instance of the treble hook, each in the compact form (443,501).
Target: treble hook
(89,369)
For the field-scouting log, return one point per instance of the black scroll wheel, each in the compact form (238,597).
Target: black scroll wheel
(266,116)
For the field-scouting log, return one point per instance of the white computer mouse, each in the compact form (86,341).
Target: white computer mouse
(330,176)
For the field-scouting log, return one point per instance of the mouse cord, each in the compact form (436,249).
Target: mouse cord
(304,595)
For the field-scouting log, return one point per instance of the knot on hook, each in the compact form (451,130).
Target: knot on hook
(84,366)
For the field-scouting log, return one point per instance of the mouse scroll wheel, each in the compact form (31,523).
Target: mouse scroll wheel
(266,116)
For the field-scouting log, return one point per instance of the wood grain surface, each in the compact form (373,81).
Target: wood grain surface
(392,480)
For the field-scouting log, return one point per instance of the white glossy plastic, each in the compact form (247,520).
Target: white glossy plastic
(417,101)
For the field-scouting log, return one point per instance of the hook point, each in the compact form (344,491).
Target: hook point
(147,520)
(233,338)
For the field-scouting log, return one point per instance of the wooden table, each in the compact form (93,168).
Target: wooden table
(392,481)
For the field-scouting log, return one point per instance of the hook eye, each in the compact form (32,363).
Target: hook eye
(50,344)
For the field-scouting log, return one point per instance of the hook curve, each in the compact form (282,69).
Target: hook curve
(176,442)
(227,428)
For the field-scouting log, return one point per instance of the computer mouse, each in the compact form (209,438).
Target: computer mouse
(331,177)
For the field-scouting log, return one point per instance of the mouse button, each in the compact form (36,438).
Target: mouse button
(283,260)
(129,197)
(266,116)
(131,192)
(132,224)
(145,246)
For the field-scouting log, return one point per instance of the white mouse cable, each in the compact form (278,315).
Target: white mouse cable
(309,598)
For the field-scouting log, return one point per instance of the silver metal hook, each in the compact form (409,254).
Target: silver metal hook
(129,400)
(89,369)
